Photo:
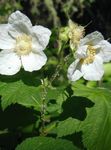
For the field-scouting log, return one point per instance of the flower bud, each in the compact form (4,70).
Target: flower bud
(63,34)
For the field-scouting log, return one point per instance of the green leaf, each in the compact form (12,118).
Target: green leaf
(96,127)
(18,92)
(25,90)
(45,143)
(55,97)
(68,127)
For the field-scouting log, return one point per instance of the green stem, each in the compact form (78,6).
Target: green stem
(43,108)
(60,62)
(99,83)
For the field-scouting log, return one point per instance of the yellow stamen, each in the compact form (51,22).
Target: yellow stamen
(91,52)
(23,44)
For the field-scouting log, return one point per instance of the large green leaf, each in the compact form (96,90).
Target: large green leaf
(97,125)
(30,95)
(68,127)
(18,92)
(45,143)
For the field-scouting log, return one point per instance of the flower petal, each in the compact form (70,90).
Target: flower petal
(93,71)
(19,28)
(105,50)
(18,16)
(92,38)
(74,71)
(6,42)
(10,63)
(33,61)
(41,36)
(81,52)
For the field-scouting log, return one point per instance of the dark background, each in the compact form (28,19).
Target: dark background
(98,13)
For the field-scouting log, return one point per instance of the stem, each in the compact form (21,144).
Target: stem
(43,107)
(99,83)
(58,68)
(62,60)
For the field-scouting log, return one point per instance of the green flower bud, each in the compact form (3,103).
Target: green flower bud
(63,34)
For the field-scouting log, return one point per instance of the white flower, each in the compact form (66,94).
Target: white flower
(93,50)
(22,45)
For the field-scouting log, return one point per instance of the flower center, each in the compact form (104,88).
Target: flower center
(23,44)
(91,52)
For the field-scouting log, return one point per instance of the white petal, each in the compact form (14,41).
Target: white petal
(41,36)
(105,50)
(18,29)
(6,41)
(81,52)
(74,71)
(18,16)
(10,63)
(33,61)
(93,71)
(92,38)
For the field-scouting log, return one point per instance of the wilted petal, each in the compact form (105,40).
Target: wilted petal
(10,63)
(6,42)
(41,36)
(93,71)
(105,50)
(18,16)
(74,71)
(33,61)
(92,38)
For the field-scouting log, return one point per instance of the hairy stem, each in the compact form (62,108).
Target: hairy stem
(43,107)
